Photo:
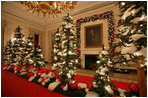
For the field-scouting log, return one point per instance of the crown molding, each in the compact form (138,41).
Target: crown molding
(21,18)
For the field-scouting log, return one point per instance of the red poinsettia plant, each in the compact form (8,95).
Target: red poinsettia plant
(134,87)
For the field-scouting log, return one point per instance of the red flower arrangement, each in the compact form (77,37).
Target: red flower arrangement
(134,87)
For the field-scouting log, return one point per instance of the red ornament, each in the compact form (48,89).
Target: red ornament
(79,87)
(10,67)
(18,74)
(105,12)
(89,85)
(42,79)
(100,15)
(36,69)
(38,72)
(26,70)
(72,86)
(48,71)
(43,70)
(30,74)
(62,86)
(18,69)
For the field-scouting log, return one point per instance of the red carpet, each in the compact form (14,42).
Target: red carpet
(15,86)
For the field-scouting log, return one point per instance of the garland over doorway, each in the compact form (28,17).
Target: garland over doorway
(106,15)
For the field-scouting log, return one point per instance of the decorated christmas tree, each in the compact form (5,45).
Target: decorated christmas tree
(8,52)
(101,84)
(132,34)
(18,47)
(65,58)
(39,60)
(29,51)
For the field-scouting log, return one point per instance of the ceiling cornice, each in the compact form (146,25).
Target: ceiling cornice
(94,7)
(13,15)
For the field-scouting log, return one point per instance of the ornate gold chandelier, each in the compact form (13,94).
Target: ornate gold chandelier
(48,7)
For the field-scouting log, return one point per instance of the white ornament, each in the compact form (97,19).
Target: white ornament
(98,62)
(68,75)
(70,53)
(76,60)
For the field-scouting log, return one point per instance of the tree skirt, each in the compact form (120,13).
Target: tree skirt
(15,86)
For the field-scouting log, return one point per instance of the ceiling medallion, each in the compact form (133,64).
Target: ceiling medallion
(52,8)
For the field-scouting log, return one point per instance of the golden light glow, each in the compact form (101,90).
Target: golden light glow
(48,7)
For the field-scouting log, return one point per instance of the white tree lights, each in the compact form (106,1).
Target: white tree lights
(65,56)
(132,32)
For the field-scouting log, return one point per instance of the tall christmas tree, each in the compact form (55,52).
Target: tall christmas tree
(8,52)
(39,60)
(18,48)
(101,84)
(132,33)
(29,51)
(65,58)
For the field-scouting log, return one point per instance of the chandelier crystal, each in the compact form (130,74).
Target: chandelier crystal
(48,7)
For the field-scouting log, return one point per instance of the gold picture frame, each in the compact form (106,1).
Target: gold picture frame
(93,36)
